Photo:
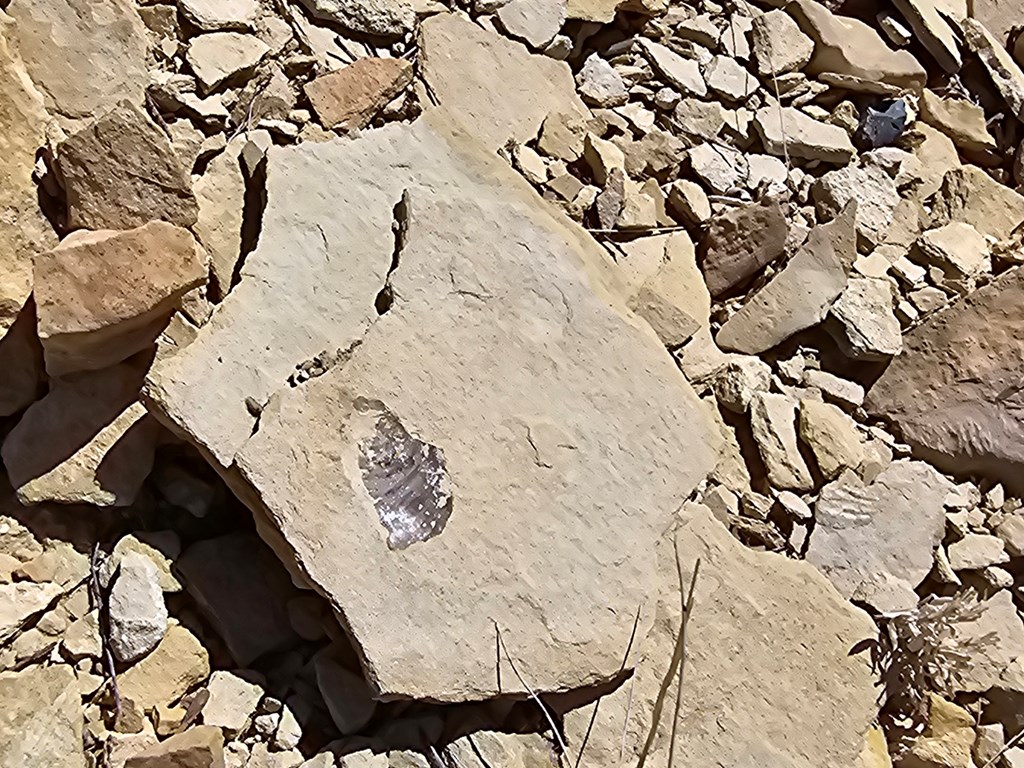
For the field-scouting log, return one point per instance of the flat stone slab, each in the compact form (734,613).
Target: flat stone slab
(468,449)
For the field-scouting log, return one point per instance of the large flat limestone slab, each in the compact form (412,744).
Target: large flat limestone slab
(505,443)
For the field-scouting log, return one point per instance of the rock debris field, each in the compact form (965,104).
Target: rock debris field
(511,384)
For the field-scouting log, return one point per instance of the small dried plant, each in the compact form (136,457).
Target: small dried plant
(919,651)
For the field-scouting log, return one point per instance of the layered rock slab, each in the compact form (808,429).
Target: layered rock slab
(957,391)
(767,650)
(41,719)
(479,433)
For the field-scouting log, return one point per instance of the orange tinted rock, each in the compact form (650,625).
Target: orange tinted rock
(350,97)
(103,296)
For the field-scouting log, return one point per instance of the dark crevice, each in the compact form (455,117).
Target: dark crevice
(400,228)
(252,216)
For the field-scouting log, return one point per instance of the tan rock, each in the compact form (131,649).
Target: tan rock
(958,249)
(800,295)
(789,130)
(232,702)
(220,195)
(875,540)
(681,73)
(23,230)
(178,663)
(350,97)
(455,201)
(213,15)
(996,639)
(41,724)
(850,48)
(201,746)
(744,707)
(773,420)
(970,195)
(121,172)
(384,18)
(740,241)
(778,44)
(959,119)
(874,190)
(22,600)
(161,547)
(1004,71)
(218,58)
(688,200)
(937,35)
(832,437)
(937,154)
(862,320)
(103,296)
(876,751)
(535,22)
(946,742)
(948,390)
(68,47)
(88,441)
(494,87)
(601,11)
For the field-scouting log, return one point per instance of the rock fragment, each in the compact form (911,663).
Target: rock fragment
(727,78)
(201,746)
(1006,75)
(947,740)
(958,249)
(740,242)
(103,296)
(800,295)
(138,616)
(68,47)
(959,119)
(600,84)
(352,96)
(975,551)
(996,639)
(216,15)
(970,195)
(491,85)
(778,44)
(385,18)
(681,73)
(952,391)
(736,383)
(219,57)
(832,437)
(121,172)
(731,705)
(232,702)
(42,722)
(88,441)
(347,696)
(773,419)
(20,601)
(535,22)
(875,192)
(939,37)
(862,320)
(789,130)
(875,540)
(177,664)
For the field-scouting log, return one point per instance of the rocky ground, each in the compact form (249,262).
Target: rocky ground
(392,384)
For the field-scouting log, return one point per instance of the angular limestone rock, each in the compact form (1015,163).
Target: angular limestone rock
(862,320)
(970,195)
(103,296)
(959,119)
(996,639)
(23,230)
(88,441)
(535,22)
(493,86)
(121,172)
(773,421)
(387,18)
(681,73)
(84,56)
(553,346)
(232,702)
(875,192)
(832,437)
(220,195)
(212,15)
(740,241)
(789,130)
(20,601)
(927,20)
(876,541)
(1006,75)
(350,97)
(742,707)
(800,295)
(243,592)
(201,746)
(41,724)
(219,57)
(778,44)
(955,391)
(138,616)
(174,667)
(849,48)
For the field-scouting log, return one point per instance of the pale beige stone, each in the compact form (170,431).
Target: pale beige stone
(832,437)
(1004,71)
(773,420)
(789,130)
(970,195)
(959,119)
(22,600)
(217,58)
(42,723)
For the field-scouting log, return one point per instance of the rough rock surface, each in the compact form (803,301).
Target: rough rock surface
(23,230)
(745,705)
(955,390)
(800,295)
(875,540)
(741,242)
(773,421)
(87,441)
(121,172)
(350,97)
(387,18)
(461,62)
(41,718)
(862,320)
(177,664)
(138,616)
(199,747)
(970,195)
(789,131)
(20,601)
(373,398)
(70,48)
(103,296)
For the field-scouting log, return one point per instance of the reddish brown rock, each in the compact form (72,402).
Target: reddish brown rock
(741,241)
(350,97)
(957,391)
(103,296)
(121,172)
